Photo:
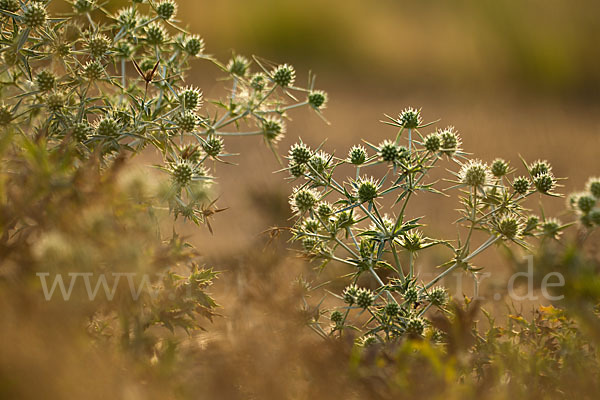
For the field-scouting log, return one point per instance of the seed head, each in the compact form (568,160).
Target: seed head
(369,340)
(364,298)
(389,151)
(296,170)
(474,173)
(127,17)
(10,5)
(45,81)
(81,131)
(349,294)
(98,45)
(415,326)
(540,167)
(410,118)
(303,200)
(391,309)
(594,216)
(194,45)
(166,9)
(531,224)
(238,65)
(273,128)
(593,186)
(190,98)
(213,145)
(544,182)
(187,121)
(284,75)
(585,203)
(357,155)
(258,81)
(366,189)
(413,240)
(510,226)
(182,173)
(319,162)
(123,50)
(324,210)
(438,296)
(551,228)
(83,6)
(108,126)
(309,243)
(55,101)
(317,99)
(311,225)
(5,115)
(450,141)
(34,15)
(433,142)
(337,317)
(521,185)
(156,34)
(411,295)
(93,70)
(499,168)
(300,153)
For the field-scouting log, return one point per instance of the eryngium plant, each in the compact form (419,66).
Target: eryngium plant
(82,93)
(349,220)
(114,83)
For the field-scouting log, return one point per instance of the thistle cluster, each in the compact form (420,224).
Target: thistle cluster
(586,204)
(114,84)
(346,218)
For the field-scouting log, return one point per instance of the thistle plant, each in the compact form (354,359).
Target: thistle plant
(361,221)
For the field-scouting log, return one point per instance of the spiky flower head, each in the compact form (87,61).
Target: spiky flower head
(61,49)
(98,45)
(319,162)
(191,98)
(412,240)
(531,224)
(127,17)
(521,185)
(324,210)
(284,75)
(194,45)
(34,14)
(389,151)
(593,186)
(474,173)
(594,216)
(410,118)
(366,189)
(364,298)
(300,153)
(81,131)
(438,296)
(368,340)
(238,65)
(5,115)
(450,141)
(93,70)
(433,142)
(349,294)
(55,101)
(510,226)
(337,317)
(10,5)
(551,227)
(310,243)
(544,182)
(187,121)
(499,167)
(108,126)
(415,326)
(166,9)
(258,81)
(213,145)
(45,81)
(303,200)
(156,34)
(182,173)
(586,202)
(317,99)
(311,225)
(357,155)
(296,170)
(123,50)
(83,6)
(391,309)
(539,167)
(411,295)
(273,128)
